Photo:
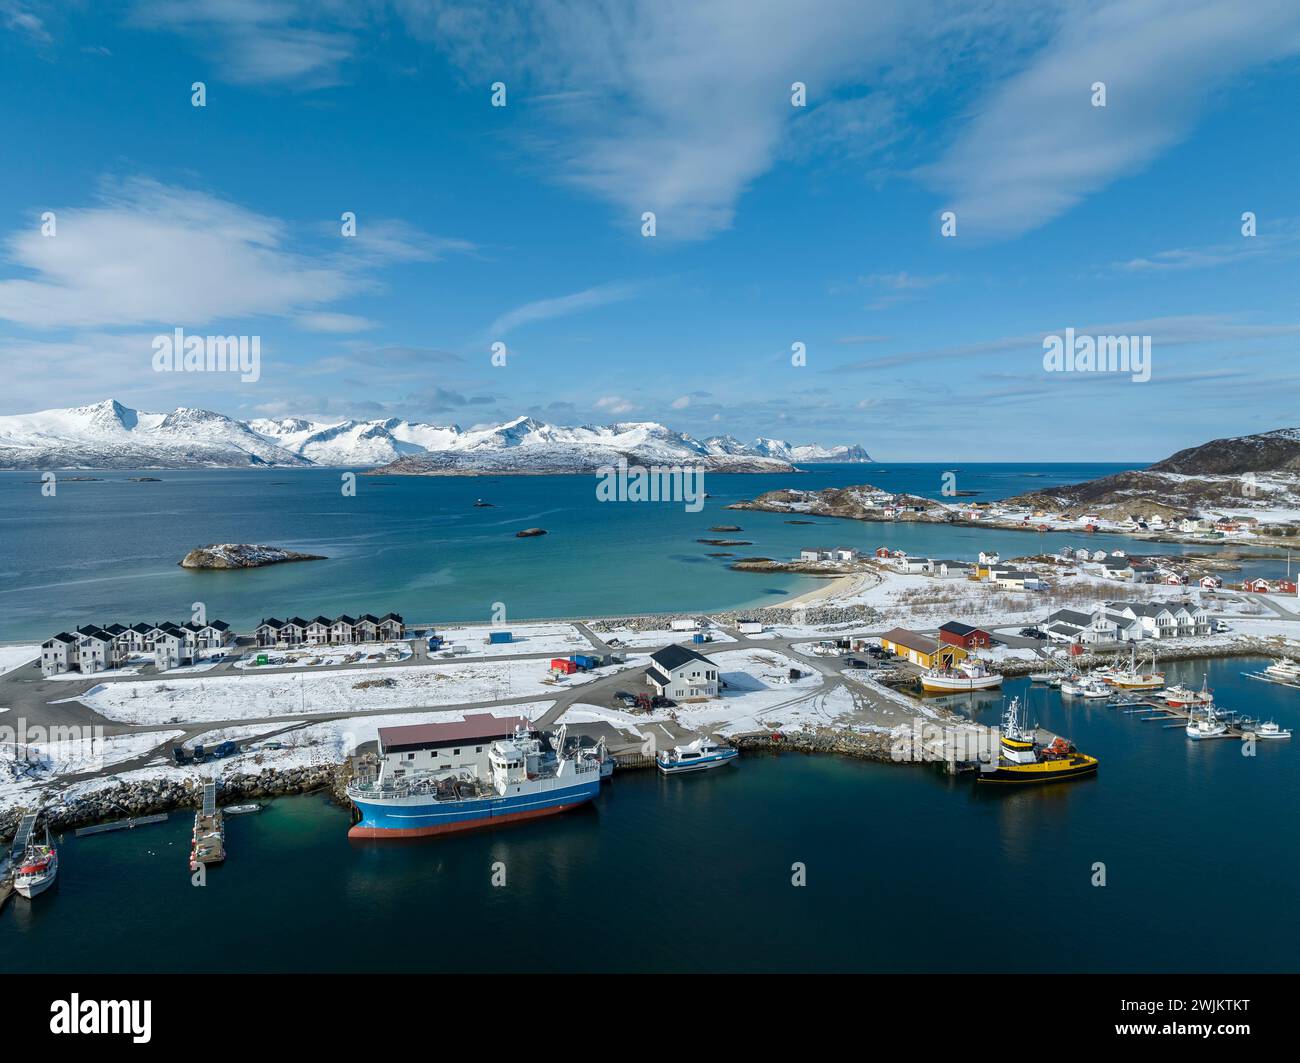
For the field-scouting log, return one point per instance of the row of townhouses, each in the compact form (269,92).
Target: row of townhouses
(324,631)
(1128,622)
(97,649)
(827,553)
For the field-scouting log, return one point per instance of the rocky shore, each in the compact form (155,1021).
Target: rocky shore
(862,745)
(242,555)
(143,798)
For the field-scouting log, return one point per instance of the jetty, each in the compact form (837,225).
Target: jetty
(209,839)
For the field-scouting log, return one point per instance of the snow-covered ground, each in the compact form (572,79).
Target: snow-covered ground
(759,695)
(251,696)
(12,657)
(319,656)
(29,768)
(559,640)
(624,721)
(661,637)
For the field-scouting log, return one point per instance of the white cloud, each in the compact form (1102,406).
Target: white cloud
(152,254)
(327,322)
(614,404)
(560,306)
(682,402)
(1037,145)
(16,17)
(673,106)
(257,41)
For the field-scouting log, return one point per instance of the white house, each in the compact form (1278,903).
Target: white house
(682,674)
(96,650)
(173,649)
(59,654)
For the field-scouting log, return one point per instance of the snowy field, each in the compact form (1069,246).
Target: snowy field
(662,637)
(251,696)
(320,656)
(12,657)
(759,695)
(29,768)
(559,640)
(624,721)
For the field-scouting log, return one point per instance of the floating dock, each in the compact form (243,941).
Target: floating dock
(209,838)
(121,824)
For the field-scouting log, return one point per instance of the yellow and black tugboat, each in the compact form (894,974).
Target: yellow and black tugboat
(1022,760)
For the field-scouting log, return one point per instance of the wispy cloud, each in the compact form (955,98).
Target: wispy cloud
(559,306)
(20,18)
(1037,145)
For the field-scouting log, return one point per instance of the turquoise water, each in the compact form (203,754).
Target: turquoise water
(907,870)
(107,551)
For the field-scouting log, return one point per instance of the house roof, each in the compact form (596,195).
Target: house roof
(271,622)
(472,728)
(1070,616)
(953,627)
(900,636)
(657,676)
(671,657)
(62,636)
(345,619)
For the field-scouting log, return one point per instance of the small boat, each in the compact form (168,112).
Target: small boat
(1134,678)
(1181,697)
(1271,730)
(700,755)
(1283,671)
(1044,677)
(241,810)
(38,868)
(1085,686)
(1207,726)
(480,504)
(968,675)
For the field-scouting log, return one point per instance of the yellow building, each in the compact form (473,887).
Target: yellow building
(920,650)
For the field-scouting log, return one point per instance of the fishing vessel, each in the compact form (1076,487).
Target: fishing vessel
(1207,726)
(1271,730)
(518,776)
(968,675)
(1023,760)
(1181,697)
(37,868)
(700,755)
(1135,678)
(240,810)
(1085,686)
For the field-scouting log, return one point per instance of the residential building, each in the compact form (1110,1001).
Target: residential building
(919,649)
(682,674)
(963,635)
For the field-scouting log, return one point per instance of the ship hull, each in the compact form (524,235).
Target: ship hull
(951,684)
(1039,774)
(36,884)
(425,818)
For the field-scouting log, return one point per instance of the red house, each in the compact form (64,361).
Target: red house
(963,635)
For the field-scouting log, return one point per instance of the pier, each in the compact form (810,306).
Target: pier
(121,824)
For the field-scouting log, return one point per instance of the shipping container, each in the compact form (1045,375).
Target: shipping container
(685,625)
(498,636)
(562,664)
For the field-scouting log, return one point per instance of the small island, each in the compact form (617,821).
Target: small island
(528,533)
(242,555)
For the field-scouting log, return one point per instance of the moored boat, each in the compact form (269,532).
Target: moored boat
(1023,760)
(1135,678)
(37,868)
(968,675)
(515,777)
(1207,726)
(701,755)
(1271,730)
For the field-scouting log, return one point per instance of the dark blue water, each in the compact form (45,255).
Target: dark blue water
(107,551)
(907,870)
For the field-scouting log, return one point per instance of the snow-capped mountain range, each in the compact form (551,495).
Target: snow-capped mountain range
(110,435)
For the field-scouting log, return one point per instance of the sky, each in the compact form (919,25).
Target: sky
(798,284)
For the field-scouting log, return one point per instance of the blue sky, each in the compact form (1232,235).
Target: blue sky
(775,224)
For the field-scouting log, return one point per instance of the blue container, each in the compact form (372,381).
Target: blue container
(499,636)
(697,637)
(584,661)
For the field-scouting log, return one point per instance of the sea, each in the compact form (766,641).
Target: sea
(1178,856)
(107,549)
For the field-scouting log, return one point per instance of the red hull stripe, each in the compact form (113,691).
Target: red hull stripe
(358,831)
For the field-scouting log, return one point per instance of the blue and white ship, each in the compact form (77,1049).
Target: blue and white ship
(480,772)
(700,755)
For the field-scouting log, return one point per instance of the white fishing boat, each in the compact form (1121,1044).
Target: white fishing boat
(38,868)
(968,675)
(241,810)
(700,755)
(1085,686)
(1135,678)
(1271,730)
(1207,726)
(1182,697)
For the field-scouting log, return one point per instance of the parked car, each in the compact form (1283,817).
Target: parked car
(626,699)
(1032,633)
(856,662)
